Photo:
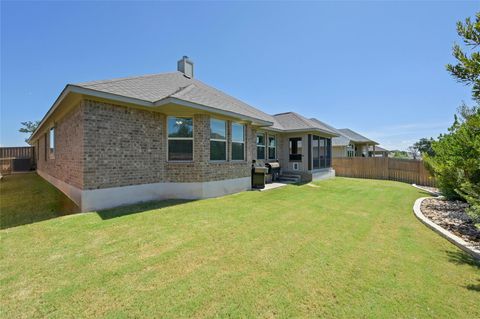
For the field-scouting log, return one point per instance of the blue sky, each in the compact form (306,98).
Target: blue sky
(375,67)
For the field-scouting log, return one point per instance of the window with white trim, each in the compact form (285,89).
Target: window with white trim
(272,147)
(350,150)
(52,141)
(260,145)
(238,142)
(180,138)
(218,140)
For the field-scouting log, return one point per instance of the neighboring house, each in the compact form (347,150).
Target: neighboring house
(377,151)
(121,141)
(352,144)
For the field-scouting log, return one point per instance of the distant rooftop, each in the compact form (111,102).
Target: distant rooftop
(291,121)
(355,137)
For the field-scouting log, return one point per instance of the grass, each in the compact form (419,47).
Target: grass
(348,248)
(26,198)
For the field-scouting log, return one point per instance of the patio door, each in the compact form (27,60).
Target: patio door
(319,152)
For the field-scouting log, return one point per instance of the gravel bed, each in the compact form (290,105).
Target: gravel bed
(451,216)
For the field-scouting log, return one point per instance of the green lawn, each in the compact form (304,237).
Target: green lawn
(27,198)
(348,248)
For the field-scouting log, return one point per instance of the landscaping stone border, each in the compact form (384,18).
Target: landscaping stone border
(426,190)
(454,239)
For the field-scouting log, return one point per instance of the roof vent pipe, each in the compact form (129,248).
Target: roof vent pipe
(185,65)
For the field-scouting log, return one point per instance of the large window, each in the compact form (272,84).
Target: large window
(260,146)
(180,139)
(52,142)
(45,146)
(322,152)
(218,140)
(295,146)
(328,152)
(350,150)
(272,147)
(238,142)
(315,151)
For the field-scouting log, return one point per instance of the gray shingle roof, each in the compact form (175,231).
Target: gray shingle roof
(340,141)
(378,149)
(355,137)
(292,121)
(156,87)
(331,128)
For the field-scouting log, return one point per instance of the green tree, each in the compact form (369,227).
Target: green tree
(29,127)
(423,146)
(399,154)
(456,162)
(467,69)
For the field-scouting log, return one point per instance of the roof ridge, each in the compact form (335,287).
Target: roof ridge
(116,80)
(183,89)
(289,112)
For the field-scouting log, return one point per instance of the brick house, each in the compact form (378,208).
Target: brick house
(115,142)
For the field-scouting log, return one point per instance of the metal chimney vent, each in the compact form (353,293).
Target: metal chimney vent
(185,65)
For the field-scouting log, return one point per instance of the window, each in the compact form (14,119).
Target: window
(315,151)
(295,146)
(180,139)
(260,146)
(45,146)
(52,142)
(350,150)
(322,152)
(329,152)
(238,142)
(272,147)
(38,150)
(218,140)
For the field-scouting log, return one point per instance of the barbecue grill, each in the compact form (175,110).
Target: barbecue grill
(273,170)
(258,175)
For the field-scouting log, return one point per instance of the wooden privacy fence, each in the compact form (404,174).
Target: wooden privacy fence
(17,152)
(16,159)
(402,170)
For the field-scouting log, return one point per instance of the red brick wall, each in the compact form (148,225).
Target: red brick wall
(66,164)
(123,146)
(126,146)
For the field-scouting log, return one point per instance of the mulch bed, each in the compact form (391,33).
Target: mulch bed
(451,216)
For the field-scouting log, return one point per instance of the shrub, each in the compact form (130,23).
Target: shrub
(456,163)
